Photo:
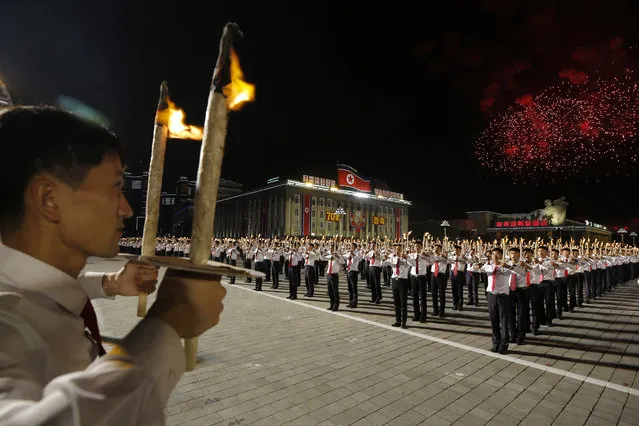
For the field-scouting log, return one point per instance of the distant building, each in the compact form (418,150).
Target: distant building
(493,225)
(312,206)
(135,189)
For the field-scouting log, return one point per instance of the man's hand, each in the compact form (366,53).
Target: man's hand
(134,278)
(190,303)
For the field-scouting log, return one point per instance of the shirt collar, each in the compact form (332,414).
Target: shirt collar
(28,273)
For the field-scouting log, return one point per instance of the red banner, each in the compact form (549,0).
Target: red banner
(306,214)
(398,229)
(348,177)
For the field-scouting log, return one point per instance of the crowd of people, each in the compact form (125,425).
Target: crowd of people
(526,284)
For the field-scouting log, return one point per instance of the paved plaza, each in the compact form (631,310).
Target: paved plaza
(272,361)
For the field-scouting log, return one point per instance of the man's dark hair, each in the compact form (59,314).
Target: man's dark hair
(498,250)
(42,139)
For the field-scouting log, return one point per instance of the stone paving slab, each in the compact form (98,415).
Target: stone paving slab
(271,361)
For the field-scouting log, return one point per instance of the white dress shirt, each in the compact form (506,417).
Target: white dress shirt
(352,261)
(47,371)
(401,267)
(499,278)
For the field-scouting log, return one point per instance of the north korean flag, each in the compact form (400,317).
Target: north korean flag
(348,177)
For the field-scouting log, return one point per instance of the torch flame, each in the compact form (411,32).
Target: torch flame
(238,91)
(173,118)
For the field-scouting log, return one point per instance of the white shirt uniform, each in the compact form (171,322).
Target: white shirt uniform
(352,261)
(499,278)
(46,367)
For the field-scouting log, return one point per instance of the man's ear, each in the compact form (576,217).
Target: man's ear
(43,197)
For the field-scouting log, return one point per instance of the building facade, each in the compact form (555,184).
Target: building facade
(491,225)
(287,207)
(135,190)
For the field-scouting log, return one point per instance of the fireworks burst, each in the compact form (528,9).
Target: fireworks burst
(581,124)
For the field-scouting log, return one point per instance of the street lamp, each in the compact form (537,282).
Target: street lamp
(622,231)
(633,234)
(445,225)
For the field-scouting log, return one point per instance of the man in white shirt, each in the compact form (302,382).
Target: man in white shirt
(353,258)
(63,202)
(399,280)
(499,286)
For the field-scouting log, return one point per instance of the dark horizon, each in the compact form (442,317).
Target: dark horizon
(399,94)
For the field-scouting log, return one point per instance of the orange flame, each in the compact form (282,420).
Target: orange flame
(173,118)
(238,91)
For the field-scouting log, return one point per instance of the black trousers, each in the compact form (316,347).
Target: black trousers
(537,304)
(351,277)
(519,313)
(438,291)
(247,265)
(233,262)
(259,266)
(267,269)
(294,280)
(285,263)
(332,282)
(549,298)
(400,297)
(375,273)
(571,289)
(472,279)
(388,273)
(367,275)
(581,283)
(418,290)
(275,270)
(559,289)
(457,285)
(589,285)
(309,279)
(499,312)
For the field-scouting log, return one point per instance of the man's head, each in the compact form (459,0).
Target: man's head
(458,250)
(497,254)
(514,254)
(62,184)
(438,249)
(542,252)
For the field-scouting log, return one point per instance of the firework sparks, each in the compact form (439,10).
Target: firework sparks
(584,123)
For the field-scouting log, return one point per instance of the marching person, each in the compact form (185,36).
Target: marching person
(294,266)
(419,282)
(232,253)
(519,302)
(353,258)
(401,268)
(499,286)
(375,273)
(276,253)
(310,257)
(458,278)
(439,279)
(334,263)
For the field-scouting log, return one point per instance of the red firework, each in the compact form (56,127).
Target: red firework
(581,124)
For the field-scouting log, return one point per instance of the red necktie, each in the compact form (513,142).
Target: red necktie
(565,272)
(330,266)
(397,268)
(455,270)
(494,283)
(528,279)
(290,260)
(513,282)
(436,268)
(417,264)
(91,323)
(350,262)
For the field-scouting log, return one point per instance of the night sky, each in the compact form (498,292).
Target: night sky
(399,92)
